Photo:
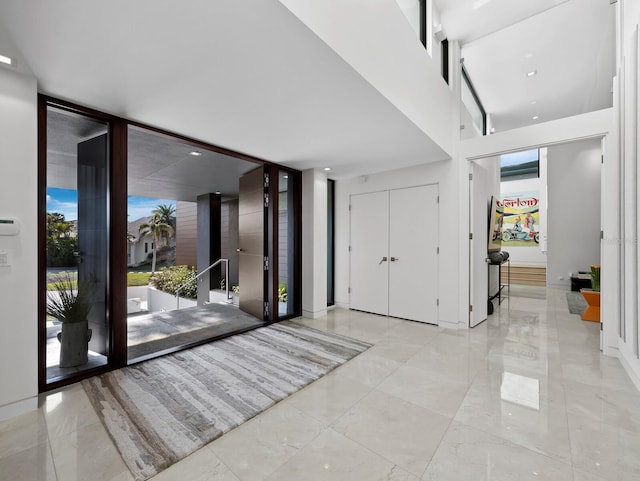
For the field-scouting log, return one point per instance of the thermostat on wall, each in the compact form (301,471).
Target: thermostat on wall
(9,226)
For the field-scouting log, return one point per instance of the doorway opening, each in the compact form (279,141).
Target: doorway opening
(551,201)
(183,244)
(156,242)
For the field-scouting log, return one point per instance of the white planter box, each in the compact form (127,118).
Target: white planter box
(158,301)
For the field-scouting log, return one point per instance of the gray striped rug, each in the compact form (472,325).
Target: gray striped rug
(159,411)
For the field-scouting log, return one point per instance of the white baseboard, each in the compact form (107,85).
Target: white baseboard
(314,314)
(611,351)
(449,324)
(19,407)
(632,370)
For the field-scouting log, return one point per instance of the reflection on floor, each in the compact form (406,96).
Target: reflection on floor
(525,395)
(155,332)
(532,292)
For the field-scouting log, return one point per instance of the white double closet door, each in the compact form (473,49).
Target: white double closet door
(394,253)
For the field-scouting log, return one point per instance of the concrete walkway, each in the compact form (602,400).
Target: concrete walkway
(150,333)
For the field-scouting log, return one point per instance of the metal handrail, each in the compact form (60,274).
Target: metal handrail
(226,279)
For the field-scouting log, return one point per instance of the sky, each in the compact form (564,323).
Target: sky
(65,201)
(518,157)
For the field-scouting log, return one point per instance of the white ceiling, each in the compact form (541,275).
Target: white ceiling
(468,20)
(157,166)
(247,76)
(570,43)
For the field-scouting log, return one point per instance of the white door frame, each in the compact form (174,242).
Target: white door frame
(351,235)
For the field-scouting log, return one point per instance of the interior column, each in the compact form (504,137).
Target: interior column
(314,243)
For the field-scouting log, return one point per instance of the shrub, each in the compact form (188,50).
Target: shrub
(282,292)
(170,279)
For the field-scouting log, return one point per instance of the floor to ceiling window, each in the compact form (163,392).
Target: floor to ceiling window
(76,258)
(287,290)
(127,212)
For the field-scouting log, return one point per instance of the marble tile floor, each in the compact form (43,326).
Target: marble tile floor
(524,396)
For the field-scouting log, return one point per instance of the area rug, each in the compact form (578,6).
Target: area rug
(159,411)
(576,302)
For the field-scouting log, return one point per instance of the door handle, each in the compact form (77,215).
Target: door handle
(393,259)
(384,259)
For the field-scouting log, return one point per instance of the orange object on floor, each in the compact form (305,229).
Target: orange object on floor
(592,312)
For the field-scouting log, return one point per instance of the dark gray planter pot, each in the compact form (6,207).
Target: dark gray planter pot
(74,343)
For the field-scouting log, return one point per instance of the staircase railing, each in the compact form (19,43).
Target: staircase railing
(193,279)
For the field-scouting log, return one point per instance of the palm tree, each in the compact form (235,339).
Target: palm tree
(166,214)
(157,229)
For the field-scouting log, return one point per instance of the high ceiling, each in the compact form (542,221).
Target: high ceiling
(251,77)
(247,76)
(569,43)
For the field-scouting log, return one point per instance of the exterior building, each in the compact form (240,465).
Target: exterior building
(139,246)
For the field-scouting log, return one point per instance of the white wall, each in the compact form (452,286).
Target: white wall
(621,256)
(445,175)
(378,42)
(573,220)
(18,283)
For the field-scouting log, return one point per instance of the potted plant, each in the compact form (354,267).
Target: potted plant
(71,306)
(595,278)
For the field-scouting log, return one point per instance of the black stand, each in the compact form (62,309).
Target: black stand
(500,284)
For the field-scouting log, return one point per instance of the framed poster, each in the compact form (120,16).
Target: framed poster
(521,219)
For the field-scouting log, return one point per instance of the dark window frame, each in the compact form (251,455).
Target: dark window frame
(444,46)
(331,242)
(474,94)
(117,255)
(423,22)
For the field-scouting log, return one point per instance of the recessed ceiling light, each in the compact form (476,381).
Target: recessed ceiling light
(285,176)
(535,117)
(5,59)
(532,73)
(533,102)
(218,192)
(327,169)
(195,153)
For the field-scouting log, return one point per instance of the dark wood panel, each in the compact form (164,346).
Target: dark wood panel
(252,223)
(118,245)
(186,233)
(251,259)
(252,181)
(252,202)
